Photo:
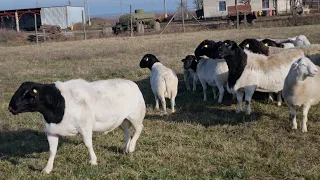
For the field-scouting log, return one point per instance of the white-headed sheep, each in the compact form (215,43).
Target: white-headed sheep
(77,106)
(301,88)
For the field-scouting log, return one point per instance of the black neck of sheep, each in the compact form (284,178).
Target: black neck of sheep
(236,61)
(53,104)
(43,98)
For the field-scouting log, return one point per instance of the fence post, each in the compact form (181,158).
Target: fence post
(44,35)
(36,27)
(17,21)
(84,25)
(131,27)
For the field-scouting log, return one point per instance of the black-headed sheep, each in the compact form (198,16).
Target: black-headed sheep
(249,71)
(163,81)
(77,106)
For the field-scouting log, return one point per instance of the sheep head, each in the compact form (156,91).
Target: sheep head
(189,61)
(148,60)
(204,48)
(227,48)
(304,67)
(25,99)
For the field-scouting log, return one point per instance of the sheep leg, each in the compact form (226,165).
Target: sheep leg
(157,102)
(125,126)
(215,96)
(53,146)
(87,138)
(279,98)
(239,99)
(138,129)
(221,93)
(186,80)
(204,87)
(293,116)
(249,92)
(305,110)
(164,106)
(270,97)
(172,105)
(194,84)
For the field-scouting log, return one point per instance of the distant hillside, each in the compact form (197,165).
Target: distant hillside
(116,15)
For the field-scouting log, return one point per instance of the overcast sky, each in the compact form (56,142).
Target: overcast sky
(96,6)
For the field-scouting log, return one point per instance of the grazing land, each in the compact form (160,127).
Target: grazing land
(202,140)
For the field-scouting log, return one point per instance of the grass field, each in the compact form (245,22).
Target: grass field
(200,141)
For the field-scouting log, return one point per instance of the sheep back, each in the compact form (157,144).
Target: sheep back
(164,81)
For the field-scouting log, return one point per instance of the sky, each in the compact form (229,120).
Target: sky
(97,7)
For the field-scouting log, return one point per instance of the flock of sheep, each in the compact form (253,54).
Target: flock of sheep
(287,68)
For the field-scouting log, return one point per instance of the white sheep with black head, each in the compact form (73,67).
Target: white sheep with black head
(189,72)
(77,106)
(301,88)
(163,81)
(249,71)
(212,72)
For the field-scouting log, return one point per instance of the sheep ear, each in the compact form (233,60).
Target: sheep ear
(295,65)
(182,60)
(234,46)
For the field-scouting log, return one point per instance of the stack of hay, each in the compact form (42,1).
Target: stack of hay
(52,32)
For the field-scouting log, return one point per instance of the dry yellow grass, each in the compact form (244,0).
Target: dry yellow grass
(200,141)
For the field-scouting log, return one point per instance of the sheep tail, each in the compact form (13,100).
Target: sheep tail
(167,81)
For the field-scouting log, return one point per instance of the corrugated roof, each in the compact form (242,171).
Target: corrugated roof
(25,9)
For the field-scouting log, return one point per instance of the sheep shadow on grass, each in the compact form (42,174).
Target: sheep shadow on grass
(23,144)
(191,108)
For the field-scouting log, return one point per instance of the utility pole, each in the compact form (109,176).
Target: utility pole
(165,9)
(37,4)
(182,15)
(152,6)
(121,7)
(237,13)
(186,6)
(88,9)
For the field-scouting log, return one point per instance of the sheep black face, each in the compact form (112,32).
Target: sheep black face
(190,61)
(227,48)
(36,97)
(148,60)
(25,99)
(254,46)
(204,48)
(269,42)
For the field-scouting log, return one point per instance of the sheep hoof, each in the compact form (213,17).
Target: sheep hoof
(46,170)
(93,162)
(304,130)
(279,103)
(164,114)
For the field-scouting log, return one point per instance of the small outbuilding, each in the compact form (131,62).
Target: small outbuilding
(219,8)
(63,16)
